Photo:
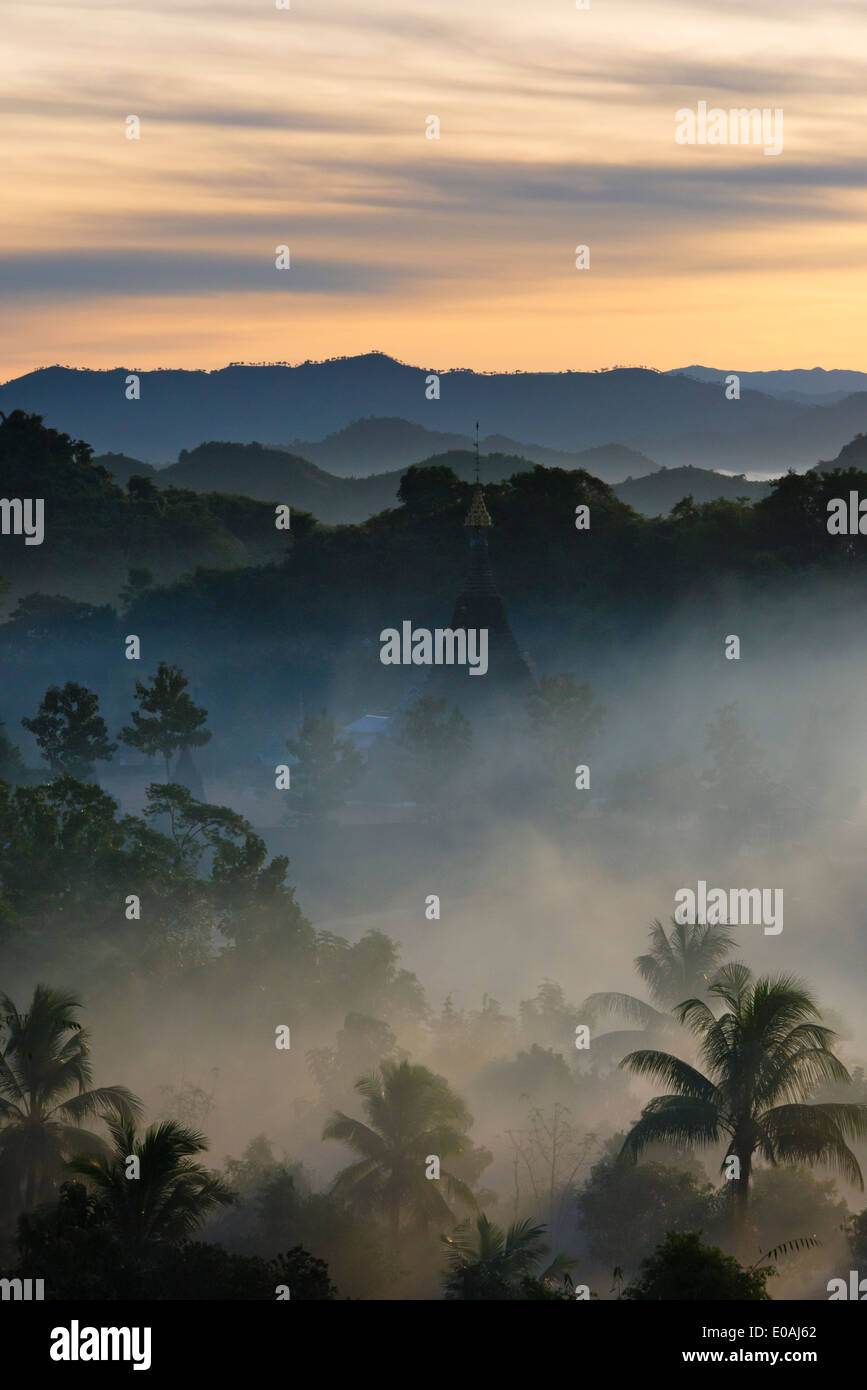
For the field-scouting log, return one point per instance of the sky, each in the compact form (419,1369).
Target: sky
(306,127)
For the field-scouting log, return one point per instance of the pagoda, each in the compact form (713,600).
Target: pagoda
(479,605)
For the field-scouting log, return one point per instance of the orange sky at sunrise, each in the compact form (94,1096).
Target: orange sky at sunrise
(306,127)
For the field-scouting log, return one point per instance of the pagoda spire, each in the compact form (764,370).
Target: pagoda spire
(477,517)
(479,605)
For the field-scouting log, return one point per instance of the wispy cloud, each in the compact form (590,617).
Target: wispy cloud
(307,127)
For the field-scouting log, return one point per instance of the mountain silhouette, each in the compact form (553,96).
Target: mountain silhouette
(656,494)
(376,444)
(675,419)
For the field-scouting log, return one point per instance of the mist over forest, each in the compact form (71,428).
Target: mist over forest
(349,955)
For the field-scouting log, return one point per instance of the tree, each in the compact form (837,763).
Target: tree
(550,1153)
(549,1018)
(681,1269)
(679,965)
(625,1209)
(70,732)
(427,491)
(74,1246)
(13,769)
(765,1056)
(563,716)
(139,581)
(361,1042)
(45,1094)
(168,719)
(487,1263)
(431,747)
(171,1194)
(326,767)
(411,1114)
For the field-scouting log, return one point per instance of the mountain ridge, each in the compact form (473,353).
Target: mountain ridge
(674,419)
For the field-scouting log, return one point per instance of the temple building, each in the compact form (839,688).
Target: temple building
(479,605)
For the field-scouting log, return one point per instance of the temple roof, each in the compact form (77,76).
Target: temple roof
(478,514)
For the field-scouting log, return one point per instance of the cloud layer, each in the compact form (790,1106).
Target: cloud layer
(306,127)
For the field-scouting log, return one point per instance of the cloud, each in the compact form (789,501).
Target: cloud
(112,272)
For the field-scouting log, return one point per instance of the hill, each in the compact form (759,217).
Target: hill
(656,494)
(122,467)
(274,475)
(676,420)
(852,455)
(814,385)
(376,444)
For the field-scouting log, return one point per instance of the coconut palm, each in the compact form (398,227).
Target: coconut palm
(680,964)
(166,1196)
(412,1114)
(489,1263)
(45,1094)
(765,1056)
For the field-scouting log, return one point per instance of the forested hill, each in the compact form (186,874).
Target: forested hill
(96,531)
(674,419)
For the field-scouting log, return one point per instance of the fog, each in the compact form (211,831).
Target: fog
(537,881)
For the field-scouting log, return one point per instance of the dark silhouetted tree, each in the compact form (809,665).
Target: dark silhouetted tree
(46,1094)
(765,1056)
(70,732)
(411,1113)
(326,768)
(168,720)
(681,1269)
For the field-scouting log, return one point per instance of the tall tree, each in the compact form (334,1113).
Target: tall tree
(765,1056)
(46,1094)
(680,964)
(564,715)
(486,1262)
(431,747)
(325,770)
(70,732)
(166,1197)
(411,1114)
(168,720)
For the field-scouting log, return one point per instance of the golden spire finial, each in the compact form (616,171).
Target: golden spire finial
(478,514)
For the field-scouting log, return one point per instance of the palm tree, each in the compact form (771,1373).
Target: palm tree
(679,965)
(168,1197)
(45,1094)
(411,1115)
(765,1055)
(489,1263)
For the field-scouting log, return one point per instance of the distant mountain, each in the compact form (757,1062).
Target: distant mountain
(274,475)
(674,419)
(852,455)
(376,444)
(657,494)
(815,385)
(122,468)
